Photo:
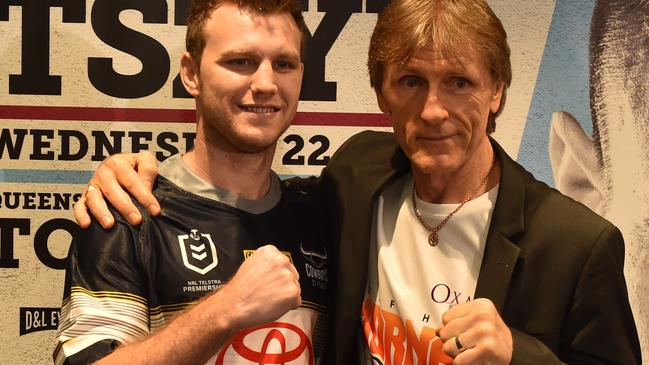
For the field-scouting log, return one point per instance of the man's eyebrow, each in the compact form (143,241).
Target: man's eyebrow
(293,56)
(239,53)
(409,68)
(289,55)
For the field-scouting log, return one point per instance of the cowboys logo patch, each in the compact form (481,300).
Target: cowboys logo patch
(198,251)
(317,259)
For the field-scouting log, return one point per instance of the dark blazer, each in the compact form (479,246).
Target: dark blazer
(552,267)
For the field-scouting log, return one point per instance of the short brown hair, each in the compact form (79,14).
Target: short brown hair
(201,10)
(452,26)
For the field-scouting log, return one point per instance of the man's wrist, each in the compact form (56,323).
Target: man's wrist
(224,311)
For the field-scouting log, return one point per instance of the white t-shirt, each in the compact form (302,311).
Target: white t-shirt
(410,283)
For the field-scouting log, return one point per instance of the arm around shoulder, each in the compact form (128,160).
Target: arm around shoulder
(116,175)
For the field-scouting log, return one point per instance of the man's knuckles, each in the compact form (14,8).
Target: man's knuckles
(484,330)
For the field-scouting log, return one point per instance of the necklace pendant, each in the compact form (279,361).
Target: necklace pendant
(432,239)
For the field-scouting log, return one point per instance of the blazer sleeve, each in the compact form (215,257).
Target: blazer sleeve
(599,327)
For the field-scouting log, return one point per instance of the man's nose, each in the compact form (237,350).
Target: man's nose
(263,80)
(434,109)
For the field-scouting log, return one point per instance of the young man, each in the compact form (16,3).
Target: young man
(218,275)
(448,249)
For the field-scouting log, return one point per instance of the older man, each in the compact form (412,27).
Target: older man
(449,250)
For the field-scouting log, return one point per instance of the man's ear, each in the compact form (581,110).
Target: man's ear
(496,98)
(380,99)
(189,71)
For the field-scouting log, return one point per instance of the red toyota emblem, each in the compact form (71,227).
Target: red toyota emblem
(261,356)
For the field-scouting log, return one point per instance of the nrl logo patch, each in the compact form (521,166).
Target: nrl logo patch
(198,251)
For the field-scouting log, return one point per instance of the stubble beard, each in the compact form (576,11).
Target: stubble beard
(220,130)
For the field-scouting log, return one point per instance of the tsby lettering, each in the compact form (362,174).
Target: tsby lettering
(36,78)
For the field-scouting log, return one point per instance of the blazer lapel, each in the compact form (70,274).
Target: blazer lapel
(368,181)
(357,237)
(497,269)
(508,220)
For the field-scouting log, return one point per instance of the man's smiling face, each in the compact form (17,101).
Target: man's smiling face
(249,77)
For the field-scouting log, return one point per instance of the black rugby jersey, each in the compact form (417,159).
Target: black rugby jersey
(127,282)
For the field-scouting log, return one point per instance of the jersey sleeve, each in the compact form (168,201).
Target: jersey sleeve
(104,300)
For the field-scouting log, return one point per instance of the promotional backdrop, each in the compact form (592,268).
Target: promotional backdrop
(82,79)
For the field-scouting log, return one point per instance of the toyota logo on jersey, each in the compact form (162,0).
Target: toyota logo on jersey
(198,251)
(270,343)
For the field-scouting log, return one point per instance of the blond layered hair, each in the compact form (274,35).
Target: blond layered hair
(453,27)
(200,12)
